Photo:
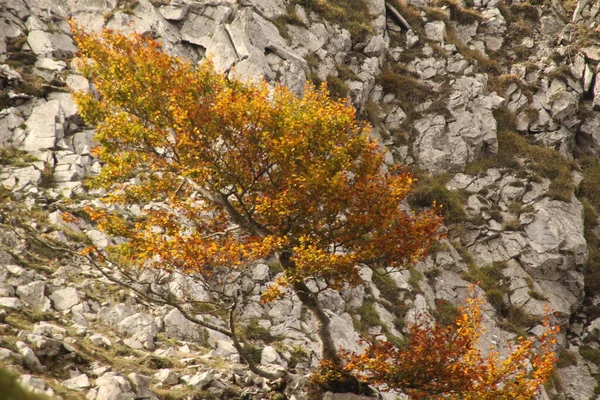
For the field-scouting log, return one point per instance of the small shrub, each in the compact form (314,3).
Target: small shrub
(253,331)
(445,312)
(337,87)
(591,354)
(512,225)
(430,189)
(415,278)
(368,317)
(566,358)
(387,286)
(330,378)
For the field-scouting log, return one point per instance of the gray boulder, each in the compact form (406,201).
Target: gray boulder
(64,299)
(33,294)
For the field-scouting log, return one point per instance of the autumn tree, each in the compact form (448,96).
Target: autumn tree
(441,361)
(226,173)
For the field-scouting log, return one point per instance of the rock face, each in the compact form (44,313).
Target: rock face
(444,88)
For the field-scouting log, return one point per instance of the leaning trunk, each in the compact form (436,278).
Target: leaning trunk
(309,299)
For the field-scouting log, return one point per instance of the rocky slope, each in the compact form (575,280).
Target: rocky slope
(492,103)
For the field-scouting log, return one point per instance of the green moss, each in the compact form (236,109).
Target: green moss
(387,286)
(430,189)
(11,390)
(368,317)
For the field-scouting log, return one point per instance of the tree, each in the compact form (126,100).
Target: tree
(226,173)
(444,361)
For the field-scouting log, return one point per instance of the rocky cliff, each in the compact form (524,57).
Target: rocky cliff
(493,105)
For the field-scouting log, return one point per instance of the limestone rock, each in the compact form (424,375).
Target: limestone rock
(33,294)
(80,382)
(139,327)
(177,326)
(270,356)
(30,361)
(141,386)
(64,299)
(112,386)
(45,127)
(10,302)
(167,377)
(113,315)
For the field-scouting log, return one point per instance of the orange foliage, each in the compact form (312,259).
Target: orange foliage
(226,172)
(445,362)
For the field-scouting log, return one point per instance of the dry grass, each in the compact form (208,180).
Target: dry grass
(458,13)
(406,86)
(471,55)
(515,151)
(352,15)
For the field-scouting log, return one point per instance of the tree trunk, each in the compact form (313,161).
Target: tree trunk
(309,299)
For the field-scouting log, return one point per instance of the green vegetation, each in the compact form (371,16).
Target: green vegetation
(566,358)
(387,286)
(123,6)
(430,189)
(415,278)
(526,11)
(253,331)
(16,158)
(591,354)
(11,390)
(368,317)
(337,87)
(445,312)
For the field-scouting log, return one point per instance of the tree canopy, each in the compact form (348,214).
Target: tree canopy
(218,174)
